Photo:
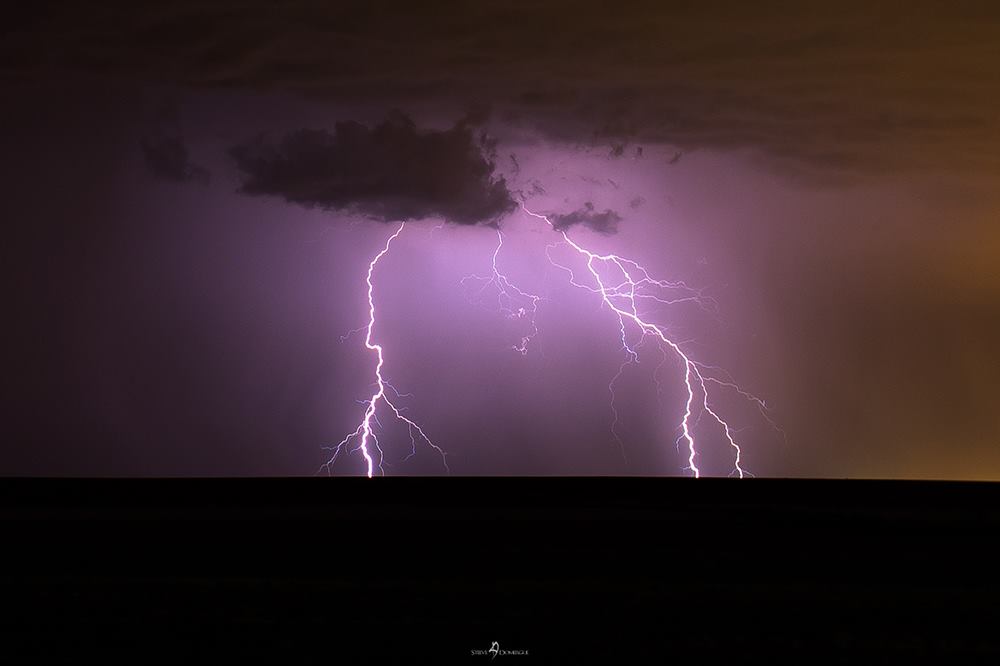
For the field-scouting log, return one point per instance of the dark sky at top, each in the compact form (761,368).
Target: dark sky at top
(180,266)
(876,85)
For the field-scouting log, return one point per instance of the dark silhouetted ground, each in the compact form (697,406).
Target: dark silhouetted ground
(407,570)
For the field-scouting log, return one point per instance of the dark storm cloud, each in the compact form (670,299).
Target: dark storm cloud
(390,172)
(838,86)
(605,222)
(167,158)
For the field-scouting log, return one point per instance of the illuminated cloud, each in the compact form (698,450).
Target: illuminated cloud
(603,222)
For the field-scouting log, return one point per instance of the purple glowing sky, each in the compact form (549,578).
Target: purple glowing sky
(524,256)
(193,330)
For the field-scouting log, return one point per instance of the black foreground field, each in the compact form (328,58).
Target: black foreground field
(571,570)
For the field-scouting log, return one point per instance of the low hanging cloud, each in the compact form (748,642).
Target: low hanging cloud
(167,158)
(390,172)
(605,222)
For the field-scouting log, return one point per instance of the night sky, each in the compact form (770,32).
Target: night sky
(193,192)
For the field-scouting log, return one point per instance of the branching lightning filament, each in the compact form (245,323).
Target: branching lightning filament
(622,284)
(513,302)
(365,433)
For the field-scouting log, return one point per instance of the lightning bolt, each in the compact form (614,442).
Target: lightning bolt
(365,430)
(513,302)
(621,284)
